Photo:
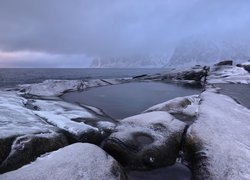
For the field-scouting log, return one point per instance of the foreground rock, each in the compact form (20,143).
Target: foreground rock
(23,135)
(182,108)
(77,161)
(147,140)
(76,122)
(218,141)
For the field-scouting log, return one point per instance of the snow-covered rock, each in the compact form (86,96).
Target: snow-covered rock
(58,87)
(77,121)
(183,108)
(146,140)
(219,139)
(77,161)
(21,130)
(228,74)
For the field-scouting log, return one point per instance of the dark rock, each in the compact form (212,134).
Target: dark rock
(140,76)
(226,62)
(145,141)
(27,148)
(247,67)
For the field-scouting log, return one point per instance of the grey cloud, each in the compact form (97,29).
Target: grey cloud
(115,27)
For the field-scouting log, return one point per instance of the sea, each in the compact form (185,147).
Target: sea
(12,77)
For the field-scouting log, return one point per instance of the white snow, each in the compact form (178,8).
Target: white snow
(62,114)
(229,74)
(144,123)
(16,119)
(223,129)
(58,87)
(187,105)
(77,161)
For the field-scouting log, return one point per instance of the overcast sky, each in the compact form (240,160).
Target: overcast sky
(68,33)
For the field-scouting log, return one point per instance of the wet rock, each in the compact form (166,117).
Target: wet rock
(77,161)
(148,140)
(27,148)
(247,67)
(223,63)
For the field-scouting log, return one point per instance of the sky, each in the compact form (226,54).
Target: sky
(66,33)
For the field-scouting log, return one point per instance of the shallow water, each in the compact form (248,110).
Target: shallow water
(175,172)
(240,92)
(120,101)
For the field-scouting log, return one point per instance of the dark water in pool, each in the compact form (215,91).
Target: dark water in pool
(175,172)
(120,101)
(240,92)
(12,77)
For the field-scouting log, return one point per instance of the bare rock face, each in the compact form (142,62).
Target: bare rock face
(226,62)
(27,148)
(146,141)
(77,161)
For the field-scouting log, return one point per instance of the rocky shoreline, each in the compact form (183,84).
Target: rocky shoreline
(36,122)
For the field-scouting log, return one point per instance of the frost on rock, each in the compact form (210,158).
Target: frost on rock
(76,121)
(77,161)
(58,87)
(183,108)
(20,131)
(229,74)
(220,139)
(148,140)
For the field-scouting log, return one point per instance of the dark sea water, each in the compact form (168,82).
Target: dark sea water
(12,77)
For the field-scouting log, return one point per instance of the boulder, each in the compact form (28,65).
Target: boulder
(247,67)
(23,135)
(144,141)
(77,161)
(27,148)
(223,63)
(218,141)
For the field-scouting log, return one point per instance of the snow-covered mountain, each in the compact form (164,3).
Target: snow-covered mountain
(190,51)
(207,51)
(151,61)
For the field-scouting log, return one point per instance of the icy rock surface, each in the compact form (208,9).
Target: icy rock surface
(220,139)
(228,74)
(183,108)
(58,87)
(77,161)
(21,131)
(79,124)
(148,140)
